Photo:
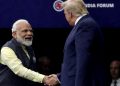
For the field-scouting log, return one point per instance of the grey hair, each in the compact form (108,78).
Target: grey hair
(77,7)
(14,27)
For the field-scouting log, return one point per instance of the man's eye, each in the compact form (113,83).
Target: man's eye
(27,30)
(31,30)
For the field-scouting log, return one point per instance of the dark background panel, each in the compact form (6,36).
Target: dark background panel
(51,43)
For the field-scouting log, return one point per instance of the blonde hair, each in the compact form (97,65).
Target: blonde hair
(77,7)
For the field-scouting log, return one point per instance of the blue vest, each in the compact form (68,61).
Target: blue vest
(7,77)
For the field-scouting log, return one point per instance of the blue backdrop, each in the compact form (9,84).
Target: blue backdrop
(41,13)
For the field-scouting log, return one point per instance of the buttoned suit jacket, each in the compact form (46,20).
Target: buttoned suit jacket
(83,60)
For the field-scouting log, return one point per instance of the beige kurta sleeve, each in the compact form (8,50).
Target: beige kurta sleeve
(9,58)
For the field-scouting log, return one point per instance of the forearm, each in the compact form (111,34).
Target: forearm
(27,73)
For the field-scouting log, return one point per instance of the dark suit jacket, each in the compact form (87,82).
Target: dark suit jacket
(82,63)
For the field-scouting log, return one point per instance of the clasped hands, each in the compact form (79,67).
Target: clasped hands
(51,80)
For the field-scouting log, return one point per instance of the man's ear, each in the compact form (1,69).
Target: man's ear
(14,34)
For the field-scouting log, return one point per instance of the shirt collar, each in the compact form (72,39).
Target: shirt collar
(79,18)
(118,80)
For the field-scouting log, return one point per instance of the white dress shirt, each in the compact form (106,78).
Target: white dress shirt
(79,18)
(117,84)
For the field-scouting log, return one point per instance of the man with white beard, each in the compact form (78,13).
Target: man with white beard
(17,61)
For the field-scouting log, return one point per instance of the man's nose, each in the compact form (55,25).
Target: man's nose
(29,33)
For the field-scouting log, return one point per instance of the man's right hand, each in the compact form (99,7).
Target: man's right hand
(51,80)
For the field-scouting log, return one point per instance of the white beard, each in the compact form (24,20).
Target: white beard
(24,41)
(27,42)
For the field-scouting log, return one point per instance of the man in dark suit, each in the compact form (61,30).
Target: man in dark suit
(115,72)
(83,60)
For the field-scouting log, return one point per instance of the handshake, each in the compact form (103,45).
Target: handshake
(51,80)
